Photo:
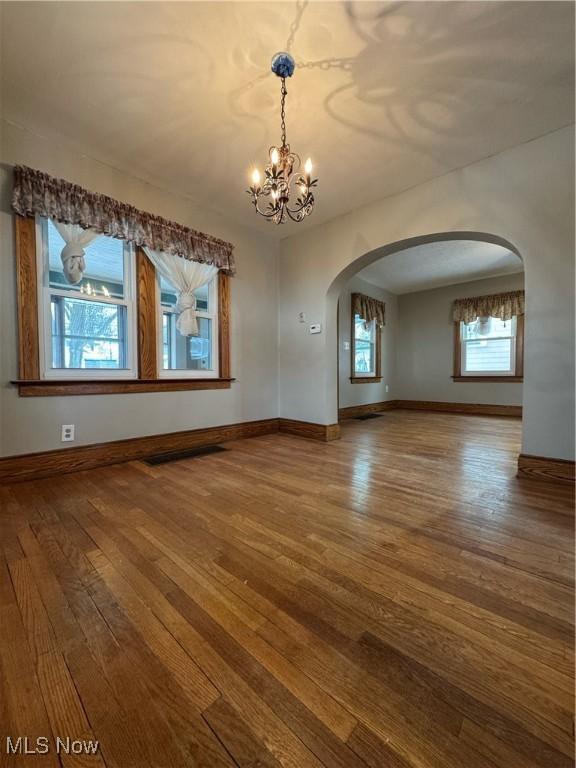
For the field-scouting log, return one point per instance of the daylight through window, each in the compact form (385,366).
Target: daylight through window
(88,327)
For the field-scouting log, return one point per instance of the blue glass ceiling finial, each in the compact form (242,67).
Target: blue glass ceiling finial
(283,64)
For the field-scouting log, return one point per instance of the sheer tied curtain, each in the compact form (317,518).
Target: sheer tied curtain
(76,239)
(185,277)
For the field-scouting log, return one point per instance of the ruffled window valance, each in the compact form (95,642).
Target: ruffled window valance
(369,309)
(505,306)
(37,193)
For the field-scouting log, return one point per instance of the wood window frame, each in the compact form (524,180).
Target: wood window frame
(518,376)
(29,382)
(378,349)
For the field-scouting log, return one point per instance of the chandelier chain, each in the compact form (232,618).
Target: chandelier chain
(282,112)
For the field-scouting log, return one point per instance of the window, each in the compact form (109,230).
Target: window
(109,333)
(365,350)
(88,328)
(189,356)
(489,348)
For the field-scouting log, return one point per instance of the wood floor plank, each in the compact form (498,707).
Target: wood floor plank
(287,748)
(65,710)
(376,752)
(316,737)
(395,599)
(162,643)
(23,708)
(335,717)
(41,637)
(242,744)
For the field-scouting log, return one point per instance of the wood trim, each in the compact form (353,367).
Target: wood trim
(338,353)
(37,465)
(489,379)
(518,365)
(457,367)
(27,294)
(60,388)
(29,382)
(224,312)
(332,432)
(147,316)
(545,468)
(480,409)
(325,432)
(365,379)
(352,411)
(34,466)
(520,347)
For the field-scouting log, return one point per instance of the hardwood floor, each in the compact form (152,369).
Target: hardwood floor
(395,599)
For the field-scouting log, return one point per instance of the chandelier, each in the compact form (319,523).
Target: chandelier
(282,176)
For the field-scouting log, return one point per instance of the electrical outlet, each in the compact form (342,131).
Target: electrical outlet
(387,388)
(67,433)
(346,346)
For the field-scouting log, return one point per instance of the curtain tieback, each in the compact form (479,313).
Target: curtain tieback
(186,302)
(186,308)
(73,262)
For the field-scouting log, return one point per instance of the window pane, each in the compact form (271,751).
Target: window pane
(364,347)
(87,334)
(167,319)
(364,359)
(488,355)
(187,353)
(200,347)
(487,328)
(104,274)
(363,332)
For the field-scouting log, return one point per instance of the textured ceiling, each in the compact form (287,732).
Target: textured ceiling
(387,95)
(444,263)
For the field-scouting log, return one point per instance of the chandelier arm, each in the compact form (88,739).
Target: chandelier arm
(271,214)
(306,200)
(295,217)
(303,210)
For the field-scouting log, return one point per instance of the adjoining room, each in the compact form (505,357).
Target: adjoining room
(425,320)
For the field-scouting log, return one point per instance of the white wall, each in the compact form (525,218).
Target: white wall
(361,394)
(426,346)
(33,424)
(523,196)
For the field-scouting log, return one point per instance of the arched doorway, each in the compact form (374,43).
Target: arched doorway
(428,247)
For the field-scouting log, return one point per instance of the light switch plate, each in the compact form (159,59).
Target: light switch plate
(316,328)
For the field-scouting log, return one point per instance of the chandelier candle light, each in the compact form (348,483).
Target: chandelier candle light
(282,174)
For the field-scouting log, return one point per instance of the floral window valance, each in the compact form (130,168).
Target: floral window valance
(369,309)
(37,193)
(505,306)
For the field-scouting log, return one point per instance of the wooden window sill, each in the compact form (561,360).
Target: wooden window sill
(365,379)
(59,388)
(490,379)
